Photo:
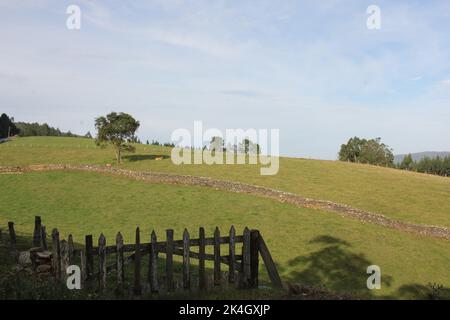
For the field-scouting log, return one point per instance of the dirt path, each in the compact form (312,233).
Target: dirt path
(238,187)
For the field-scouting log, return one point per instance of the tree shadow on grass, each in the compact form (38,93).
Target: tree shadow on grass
(335,267)
(141,157)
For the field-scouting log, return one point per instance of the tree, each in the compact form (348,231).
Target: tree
(88,135)
(371,151)
(216,144)
(117,129)
(352,150)
(7,127)
(249,147)
(407,163)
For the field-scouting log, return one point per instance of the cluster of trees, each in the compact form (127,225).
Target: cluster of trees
(36,129)
(246,146)
(438,165)
(165,144)
(7,127)
(371,151)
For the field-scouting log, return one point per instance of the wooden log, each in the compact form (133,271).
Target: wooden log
(120,262)
(201,260)
(12,234)
(102,262)
(153,265)
(56,247)
(245,277)
(137,289)
(254,258)
(186,266)
(169,260)
(37,232)
(64,259)
(270,265)
(232,256)
(44,238)
(70,249)
(89,257)
(217,257)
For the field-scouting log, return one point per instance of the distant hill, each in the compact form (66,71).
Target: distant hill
(420,155)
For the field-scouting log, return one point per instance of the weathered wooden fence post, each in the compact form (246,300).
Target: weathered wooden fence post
(70,249)
(89,257)
(137,264)
(37,232)
(120,262)
(245,273)
(254,258)
(232,255)
(153,265)
(83,269)
(12,234)
(169,260)
(64,259)
(56,248)
(44,238)
(201,259)
(217,257)
(186,266)
(102,262)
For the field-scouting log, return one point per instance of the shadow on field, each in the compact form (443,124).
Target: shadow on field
(141,157)
(335,267)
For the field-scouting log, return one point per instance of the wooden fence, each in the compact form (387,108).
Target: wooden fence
(242,268)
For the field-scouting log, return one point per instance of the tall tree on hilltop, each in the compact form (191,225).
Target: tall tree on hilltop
(117,129)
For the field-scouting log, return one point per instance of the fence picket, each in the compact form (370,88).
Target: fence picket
(102,262)
(120,262)
(89,257)
(64,259)
(70,249)
(56,254)
(44,238)
(137,264)
(217,257)
(232,255)
(153,272)
(12,234)
(254,258)
(37,232)
(246,259)
(201,260)
(186,267)
(169,260)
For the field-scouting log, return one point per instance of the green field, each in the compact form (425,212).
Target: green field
(398,194)
(309,246)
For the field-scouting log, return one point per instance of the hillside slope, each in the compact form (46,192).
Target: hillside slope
(406,196)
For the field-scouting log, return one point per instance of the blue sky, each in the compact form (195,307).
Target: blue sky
(310,68)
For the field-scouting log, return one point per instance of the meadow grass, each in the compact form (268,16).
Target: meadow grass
(308,246)
(402,195)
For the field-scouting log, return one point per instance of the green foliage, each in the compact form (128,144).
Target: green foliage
(438,166)
(371,151)
(7,126)
(36,129)
(119,130)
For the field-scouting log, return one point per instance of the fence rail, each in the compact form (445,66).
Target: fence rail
(242,269)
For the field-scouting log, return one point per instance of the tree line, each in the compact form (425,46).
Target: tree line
(9,128)
(438,165)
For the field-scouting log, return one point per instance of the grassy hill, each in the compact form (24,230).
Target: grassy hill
(309,246)
(402,195)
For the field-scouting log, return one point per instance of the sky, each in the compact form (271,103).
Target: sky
(312,69)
